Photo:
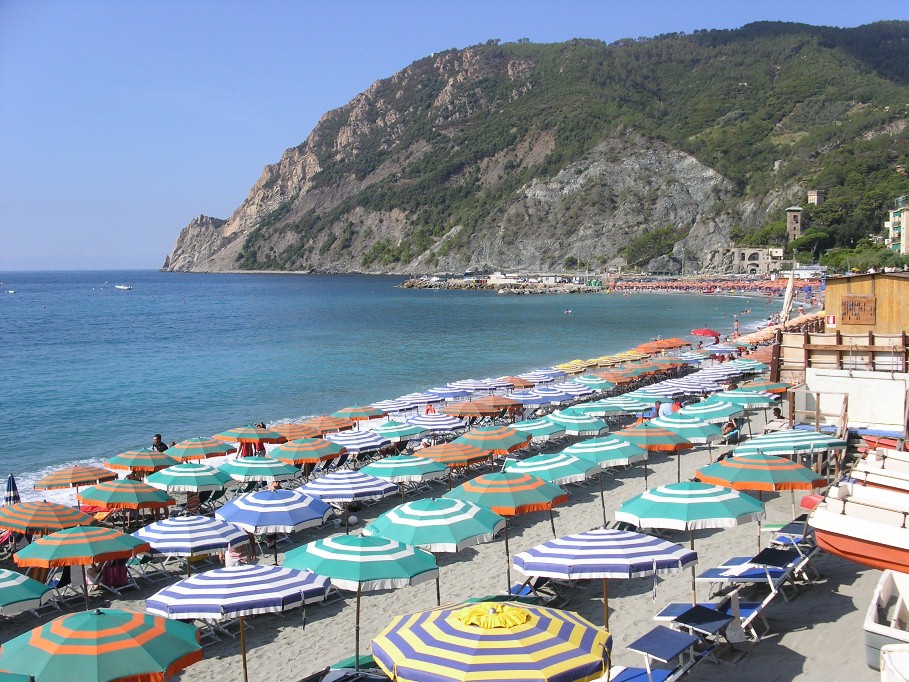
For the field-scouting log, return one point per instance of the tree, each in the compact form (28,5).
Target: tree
(812,240)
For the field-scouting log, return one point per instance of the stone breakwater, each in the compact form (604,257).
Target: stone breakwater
(523,288)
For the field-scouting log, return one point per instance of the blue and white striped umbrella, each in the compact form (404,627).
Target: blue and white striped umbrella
(553,395)
(437,423)
(189,535)
(275,511)
(575,388)
(238,591)
(446,393)
(347,486)
(692,356)
(472,385)
(536,378)
(12,492)
(394,406)
(551,371)
(417,399)
(499,383)
(530,398)
(359,441)
(721,349)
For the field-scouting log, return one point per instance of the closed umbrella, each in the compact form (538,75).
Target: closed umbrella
(20,593)
(604,553)
(362,563)
(238,591)
(41,517)
(103,645)
(189,477)
(200,448)
(486,641)
(12,492)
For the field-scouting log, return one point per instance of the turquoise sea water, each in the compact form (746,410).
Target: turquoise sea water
(90,370)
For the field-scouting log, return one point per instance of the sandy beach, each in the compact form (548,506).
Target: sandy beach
(818,636)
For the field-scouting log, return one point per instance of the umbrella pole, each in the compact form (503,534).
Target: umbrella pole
(552,523)
(678,465)
(605,605)
(792,501)
(243,649)
(85,586)
(709,452)
(602,498)
(694,589)
(347,518)
(438,592)
(507,559)
(357,633)
(646,460)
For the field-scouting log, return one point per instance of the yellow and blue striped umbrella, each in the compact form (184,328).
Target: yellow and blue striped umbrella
(492,640)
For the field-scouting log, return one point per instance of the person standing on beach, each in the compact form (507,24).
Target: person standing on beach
(158,444)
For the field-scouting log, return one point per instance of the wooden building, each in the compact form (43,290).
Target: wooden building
(868,304)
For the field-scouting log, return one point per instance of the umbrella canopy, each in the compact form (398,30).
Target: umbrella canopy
(296,431)
(125,494)
(476,641)
(398,432)
(651,437)
(359,413)
(712,410)
(750,366)
(577,424)
(188,477)
(472,385)
(405,469)
(690,506)
(347,486)
(761,472)
(275,511)
(190,535)
(540,430)
(615,405)
(359,441)
(74,477)
(470,409)
(536,378)
(257,468)
(703,331)
(595,382)
(142,460)
(238,591)
(455,455)
(747,398)
(394,406)
(200,448)
(692,429)
(306,451)
(437,524)
(41,517)
(788,442)
(12,492)
(103,645)
(510,494)
(80,546)
(250,434)
(556,468)
(518,382)
(449,393)
(766,386)
(607,452)
(20,593)
(499,440)
(436,423)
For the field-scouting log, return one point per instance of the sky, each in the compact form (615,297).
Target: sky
(122,121)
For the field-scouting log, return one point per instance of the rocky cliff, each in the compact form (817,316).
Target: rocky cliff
(532,157)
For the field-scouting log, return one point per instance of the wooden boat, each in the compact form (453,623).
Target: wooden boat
(887,618)
(865,524)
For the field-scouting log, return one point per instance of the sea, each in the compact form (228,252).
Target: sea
(90,370)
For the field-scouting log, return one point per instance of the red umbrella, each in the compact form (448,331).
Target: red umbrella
(703,331)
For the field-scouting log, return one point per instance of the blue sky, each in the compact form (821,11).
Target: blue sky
(121,121)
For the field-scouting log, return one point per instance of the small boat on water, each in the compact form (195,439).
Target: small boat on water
(123,287)
(865,524)
(887,617)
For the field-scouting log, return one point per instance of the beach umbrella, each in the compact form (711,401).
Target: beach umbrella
(346,486)
(540,430)
(296,431)
(103,645)
(614,405)
(41,517)
(79,546)
(141,460)
(306,451)
(536,378)
(125,494)
(328,424)
(712,410)
(690,506)
(500,402)
(455,455)
(358,441)
(20,593)
(766,386)
(498,440)
(657,439)
(74,477)
(499,383)
(275,511)
(692,356)
(747,399)
(12,492)
(189,477)
(724,349)
(704,331)
(573,388)
(250,434)
(236,592)
(750,366)
(359,413)
(691,429)
(607,452)
(788,442)
(595,382)
(448,393)
(470,409)
(472,385)
(578,424)
(518,382)
(486,640)
(653,394)
(604,553)
(406,469)
(258,468)
(436,423)
(394,406)
(186,536)
(511,494)
(425,398)
(552,394)
(398,432)
(200,448)
(530,398)
(559,469)
(363,563)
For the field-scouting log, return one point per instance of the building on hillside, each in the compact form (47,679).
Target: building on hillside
(897,239)
(754,261)
(817,196)
(793,223)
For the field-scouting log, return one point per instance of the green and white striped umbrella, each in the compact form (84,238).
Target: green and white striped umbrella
(789,442)
(557,468)
(690,505)
(438,524)
(188,477)
(578,425)
(607,452)
(619,404)
(406,469)
(595,382)
(265,469)
(20,593)
(748,399)
(540,430)
(651,395)
(713,411)
(397,432)
(691,429)
(750,366)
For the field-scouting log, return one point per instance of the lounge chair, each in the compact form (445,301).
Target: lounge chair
(540,589)
(773,567)
(148,568)
(749,614)
(663,644)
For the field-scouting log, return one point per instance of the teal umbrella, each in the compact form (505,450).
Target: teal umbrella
(577,424)
(363,563)
(690,506)
(747,399)
(20,593)
(406,469)
(398,432)
(619,404)
(559,469)
(607,452)
(188,477)
(264,469)
(540,430)
(712,410)
(789,442)
(595,382)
